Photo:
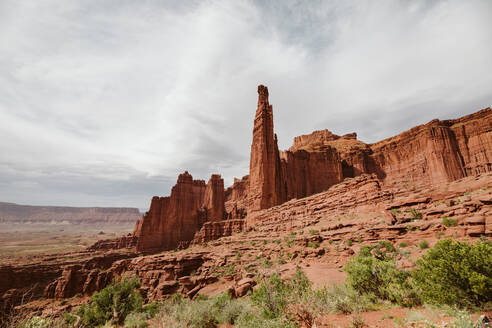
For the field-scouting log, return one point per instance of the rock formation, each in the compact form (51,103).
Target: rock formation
(275,177)
(264,169)
(173,221)
(215,230)
(425,156)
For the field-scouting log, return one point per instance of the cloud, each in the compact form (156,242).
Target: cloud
(105,103)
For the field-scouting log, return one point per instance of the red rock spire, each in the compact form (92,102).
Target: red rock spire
(264,168)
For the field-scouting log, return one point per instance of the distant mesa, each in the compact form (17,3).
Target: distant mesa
(15,213)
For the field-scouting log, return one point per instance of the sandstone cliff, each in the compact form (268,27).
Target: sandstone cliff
(173,221)
(425,156)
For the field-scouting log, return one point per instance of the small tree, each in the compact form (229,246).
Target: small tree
(456,273)
(113,303)
(374,272)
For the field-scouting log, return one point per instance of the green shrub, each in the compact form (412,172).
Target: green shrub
(380,278)
(114,303)
(349,242)
(252,320)
(423,244)
(202,312)
(402,244)
(301,285)
(313,244)
(374,273)
(152,309)
(395,212)
(36,322)
(449,222)
(342,299)
(232,310)
(136,320)
(383,250)
(314,232)
(415,214)
(180,312)
(456,273)
(411,228)
(272,296)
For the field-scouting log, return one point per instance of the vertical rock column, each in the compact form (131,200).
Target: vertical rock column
(264,168)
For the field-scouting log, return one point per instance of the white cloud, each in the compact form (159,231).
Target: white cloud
(125,94)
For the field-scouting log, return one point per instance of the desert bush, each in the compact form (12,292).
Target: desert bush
(395,212)
(252,320)
(415,214)
(272,296)
(449,222)
(136,320)
(37,322)
(456,273)
(233,310)
(374,273)
(383,250)
(152,309)
(202,312)
(313,244)
(357,321)
(342,299)
(114,303)
(423,244)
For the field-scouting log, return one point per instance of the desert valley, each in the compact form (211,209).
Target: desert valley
(300,217)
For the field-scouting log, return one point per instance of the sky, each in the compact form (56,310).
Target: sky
(104,103)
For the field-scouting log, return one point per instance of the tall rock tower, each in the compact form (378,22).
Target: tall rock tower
(264,167)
